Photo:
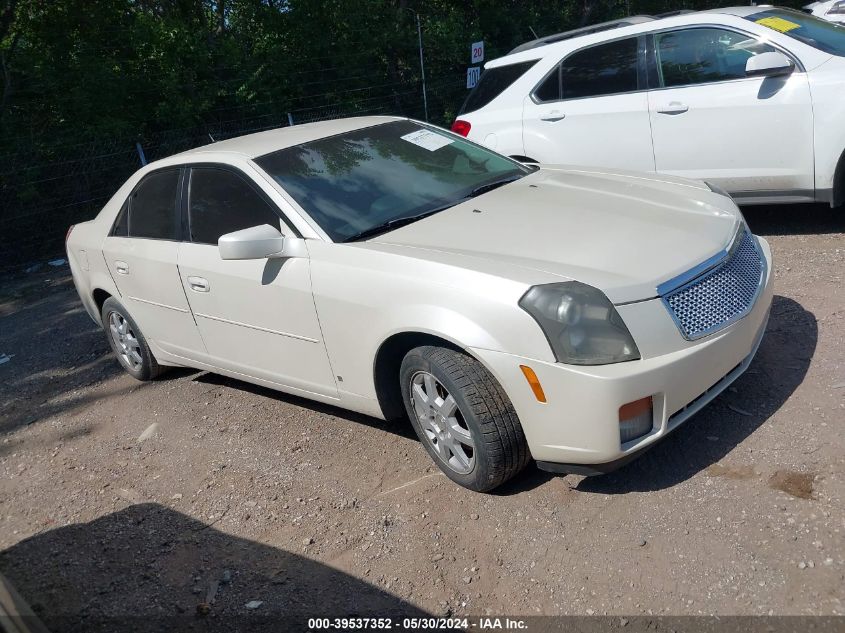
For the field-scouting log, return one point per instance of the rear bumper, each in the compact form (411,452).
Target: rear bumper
(577,429)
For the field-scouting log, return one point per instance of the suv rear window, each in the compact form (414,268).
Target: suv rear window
(493,82)
(810,30)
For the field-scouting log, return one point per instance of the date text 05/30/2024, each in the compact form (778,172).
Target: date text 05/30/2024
(422,624)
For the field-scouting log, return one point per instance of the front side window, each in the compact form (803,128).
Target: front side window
(222,202)
(152,207)
(704,55)
(493,82)
(600,70)
(368,181)
(810,30)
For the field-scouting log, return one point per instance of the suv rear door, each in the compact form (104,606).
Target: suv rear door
(592,109)
(752,136)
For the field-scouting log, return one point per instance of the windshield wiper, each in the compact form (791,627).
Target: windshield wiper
(493,185)
(384,227)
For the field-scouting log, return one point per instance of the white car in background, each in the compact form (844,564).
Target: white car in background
(385,266)
(831,10)
(750,99)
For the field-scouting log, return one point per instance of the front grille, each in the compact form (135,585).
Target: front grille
(721,295)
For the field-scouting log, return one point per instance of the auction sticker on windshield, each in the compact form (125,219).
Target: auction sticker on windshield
(427,139)
(778,24)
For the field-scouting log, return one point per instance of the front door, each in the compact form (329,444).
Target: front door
(749,135)
(141,254)
(592,109)
(257,317)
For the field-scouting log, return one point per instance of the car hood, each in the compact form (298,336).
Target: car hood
(621,232)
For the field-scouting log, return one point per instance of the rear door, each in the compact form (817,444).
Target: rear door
(257,317)
(749,135)
(592,109)
(141,254)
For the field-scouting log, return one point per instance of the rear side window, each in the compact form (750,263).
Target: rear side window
(605,69)
(221,202)
(152,207)
(601,70)
(493,82)
(704,55)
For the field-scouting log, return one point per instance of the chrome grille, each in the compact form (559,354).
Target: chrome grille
(721,295)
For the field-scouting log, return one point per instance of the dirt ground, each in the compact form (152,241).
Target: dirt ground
(241,494)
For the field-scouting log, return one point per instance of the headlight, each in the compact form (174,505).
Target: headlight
(581,324)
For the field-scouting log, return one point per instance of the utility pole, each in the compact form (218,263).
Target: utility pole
(422,63)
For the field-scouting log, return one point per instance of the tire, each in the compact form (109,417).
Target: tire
(128,343)
(484,426)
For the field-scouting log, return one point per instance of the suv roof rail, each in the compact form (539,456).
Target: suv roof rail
(587,30)
(669,14)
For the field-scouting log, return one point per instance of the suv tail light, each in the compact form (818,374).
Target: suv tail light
(461,127)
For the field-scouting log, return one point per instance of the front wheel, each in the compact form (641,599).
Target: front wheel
(463,417)
(127,342)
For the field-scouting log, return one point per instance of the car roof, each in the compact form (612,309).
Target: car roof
(260,143)
(612,30)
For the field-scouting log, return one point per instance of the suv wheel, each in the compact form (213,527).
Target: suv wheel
(463,417)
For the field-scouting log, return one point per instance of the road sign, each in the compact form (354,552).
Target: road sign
(473,73)
(476,52)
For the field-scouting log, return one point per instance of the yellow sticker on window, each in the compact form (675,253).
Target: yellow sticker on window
(778,24)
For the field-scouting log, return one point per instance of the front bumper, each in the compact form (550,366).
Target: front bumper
(577,429)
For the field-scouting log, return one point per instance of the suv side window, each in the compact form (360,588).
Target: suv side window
(221,202)
(153,212)
(838,8)
(605,69)
(703,55)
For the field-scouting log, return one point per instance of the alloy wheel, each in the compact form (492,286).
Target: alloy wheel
(442,423)
(125,342)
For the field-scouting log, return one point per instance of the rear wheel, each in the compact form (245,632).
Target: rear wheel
(127,341)
(463,417)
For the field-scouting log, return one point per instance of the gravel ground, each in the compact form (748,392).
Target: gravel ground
(197,493)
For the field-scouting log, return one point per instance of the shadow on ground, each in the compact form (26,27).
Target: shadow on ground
(778,369)
(150,568)
(795,219)
(56,350)
(402,427)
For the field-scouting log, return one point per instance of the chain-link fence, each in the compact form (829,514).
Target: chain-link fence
(45,189)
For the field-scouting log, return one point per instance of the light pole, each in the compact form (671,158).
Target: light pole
(422,64)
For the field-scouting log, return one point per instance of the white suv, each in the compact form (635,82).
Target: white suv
(831,10)
(750,99)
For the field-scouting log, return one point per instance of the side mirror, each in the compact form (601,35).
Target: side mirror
(771,64)
(258,242)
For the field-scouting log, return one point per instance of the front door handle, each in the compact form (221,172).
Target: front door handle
(122,268)
(675,107)
(198,284)
(554,115)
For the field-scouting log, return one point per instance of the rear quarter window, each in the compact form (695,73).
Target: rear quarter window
(493,82)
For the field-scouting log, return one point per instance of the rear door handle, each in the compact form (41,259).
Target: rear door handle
(554,115)
(122,268)
(198,284)
(676,107)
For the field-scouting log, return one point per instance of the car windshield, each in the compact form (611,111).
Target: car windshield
(371,180)
(821,34)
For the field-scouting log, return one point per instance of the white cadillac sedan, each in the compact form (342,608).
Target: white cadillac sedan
(570,316)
